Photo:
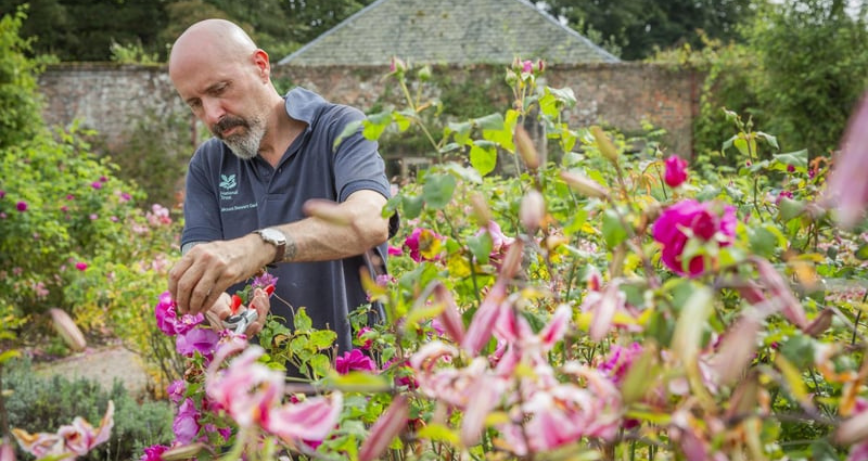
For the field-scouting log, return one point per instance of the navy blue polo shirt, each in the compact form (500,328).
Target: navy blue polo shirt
(227,197)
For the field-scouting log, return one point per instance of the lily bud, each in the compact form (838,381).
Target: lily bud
(584,185)
(524,146)
(182,452)
(532,211)
(480,209)
(67,329)
(607,148)
(389,426)
(450,317)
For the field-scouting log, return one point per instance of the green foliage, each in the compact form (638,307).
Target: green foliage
(814,71)
(639,27)
(132,53)
(20,118)
(156,153)
(798,74)
(39,404)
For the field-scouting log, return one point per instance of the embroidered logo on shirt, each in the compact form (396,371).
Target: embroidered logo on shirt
(227,182)
(228,186)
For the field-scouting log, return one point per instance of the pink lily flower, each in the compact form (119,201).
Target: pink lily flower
(310,420)
(70,441)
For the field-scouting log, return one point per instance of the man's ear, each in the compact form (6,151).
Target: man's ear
(260,60)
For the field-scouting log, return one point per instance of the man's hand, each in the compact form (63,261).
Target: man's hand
(209,269)
(222,309)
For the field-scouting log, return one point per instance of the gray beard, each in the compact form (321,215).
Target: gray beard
(246,145)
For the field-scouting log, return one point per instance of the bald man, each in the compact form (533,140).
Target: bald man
(247,188)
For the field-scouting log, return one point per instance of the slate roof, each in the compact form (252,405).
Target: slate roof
(448,32)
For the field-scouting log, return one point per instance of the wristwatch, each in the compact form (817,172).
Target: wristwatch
(276,238)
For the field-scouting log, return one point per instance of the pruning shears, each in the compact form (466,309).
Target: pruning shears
(239,322)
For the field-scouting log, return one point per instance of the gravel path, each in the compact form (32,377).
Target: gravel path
(104,365)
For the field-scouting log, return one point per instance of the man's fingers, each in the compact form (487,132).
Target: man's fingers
(175,275)
(262,305)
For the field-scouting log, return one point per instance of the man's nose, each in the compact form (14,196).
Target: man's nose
(212,111)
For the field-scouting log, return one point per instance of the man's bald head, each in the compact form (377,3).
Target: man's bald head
(214,39)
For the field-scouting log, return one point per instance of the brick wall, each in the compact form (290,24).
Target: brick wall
(111,98)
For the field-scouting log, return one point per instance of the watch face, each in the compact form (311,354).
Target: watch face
(273,236)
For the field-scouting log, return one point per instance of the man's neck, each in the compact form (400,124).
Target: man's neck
(282,131)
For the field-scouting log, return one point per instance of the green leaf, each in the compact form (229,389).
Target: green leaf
(613,231)
(799,350)
(490,122)
(439,433)
(480,245)
(438,190)
(862,252)
(763,242)
(323,339)
(412,206)
(355,381)
(6,356)
(320,364)
(483,157)
(797,159)
(461,131)
(789,208)
(773,141)
(301,321)
(351,128)
(463,173)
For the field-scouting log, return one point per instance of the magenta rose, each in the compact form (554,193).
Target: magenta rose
(701,220)
(676,171)
(354,360)
(419,243)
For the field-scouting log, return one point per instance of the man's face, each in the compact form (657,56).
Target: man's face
(224,96)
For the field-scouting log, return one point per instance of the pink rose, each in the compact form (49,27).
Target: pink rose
(676,171)
(354,360)
(423,244)
(702,221)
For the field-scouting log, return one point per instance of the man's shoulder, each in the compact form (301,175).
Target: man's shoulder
(310,107)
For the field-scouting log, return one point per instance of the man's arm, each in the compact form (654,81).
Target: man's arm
(208,269)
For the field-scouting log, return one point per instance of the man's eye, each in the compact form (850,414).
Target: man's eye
(194,104)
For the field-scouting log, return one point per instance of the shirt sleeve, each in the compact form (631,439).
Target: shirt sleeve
(201,206)
(357,161)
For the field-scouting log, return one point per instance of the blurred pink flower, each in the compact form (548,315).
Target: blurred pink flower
(186,423)
(251,393)
(360,336)
(154,453)
(82,266)
(158,216)
(201,340)
(689,218)
(676,171)
(70,441)
(354,360)
(176,390)
(847,189)
(96,185)
(395,251)
(619,361)
(21,206)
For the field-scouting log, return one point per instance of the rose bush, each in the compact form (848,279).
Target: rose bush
(604,304)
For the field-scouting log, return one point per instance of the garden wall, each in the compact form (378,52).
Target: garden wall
(112,98)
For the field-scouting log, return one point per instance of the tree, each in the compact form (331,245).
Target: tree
(815,69)
(638,27)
